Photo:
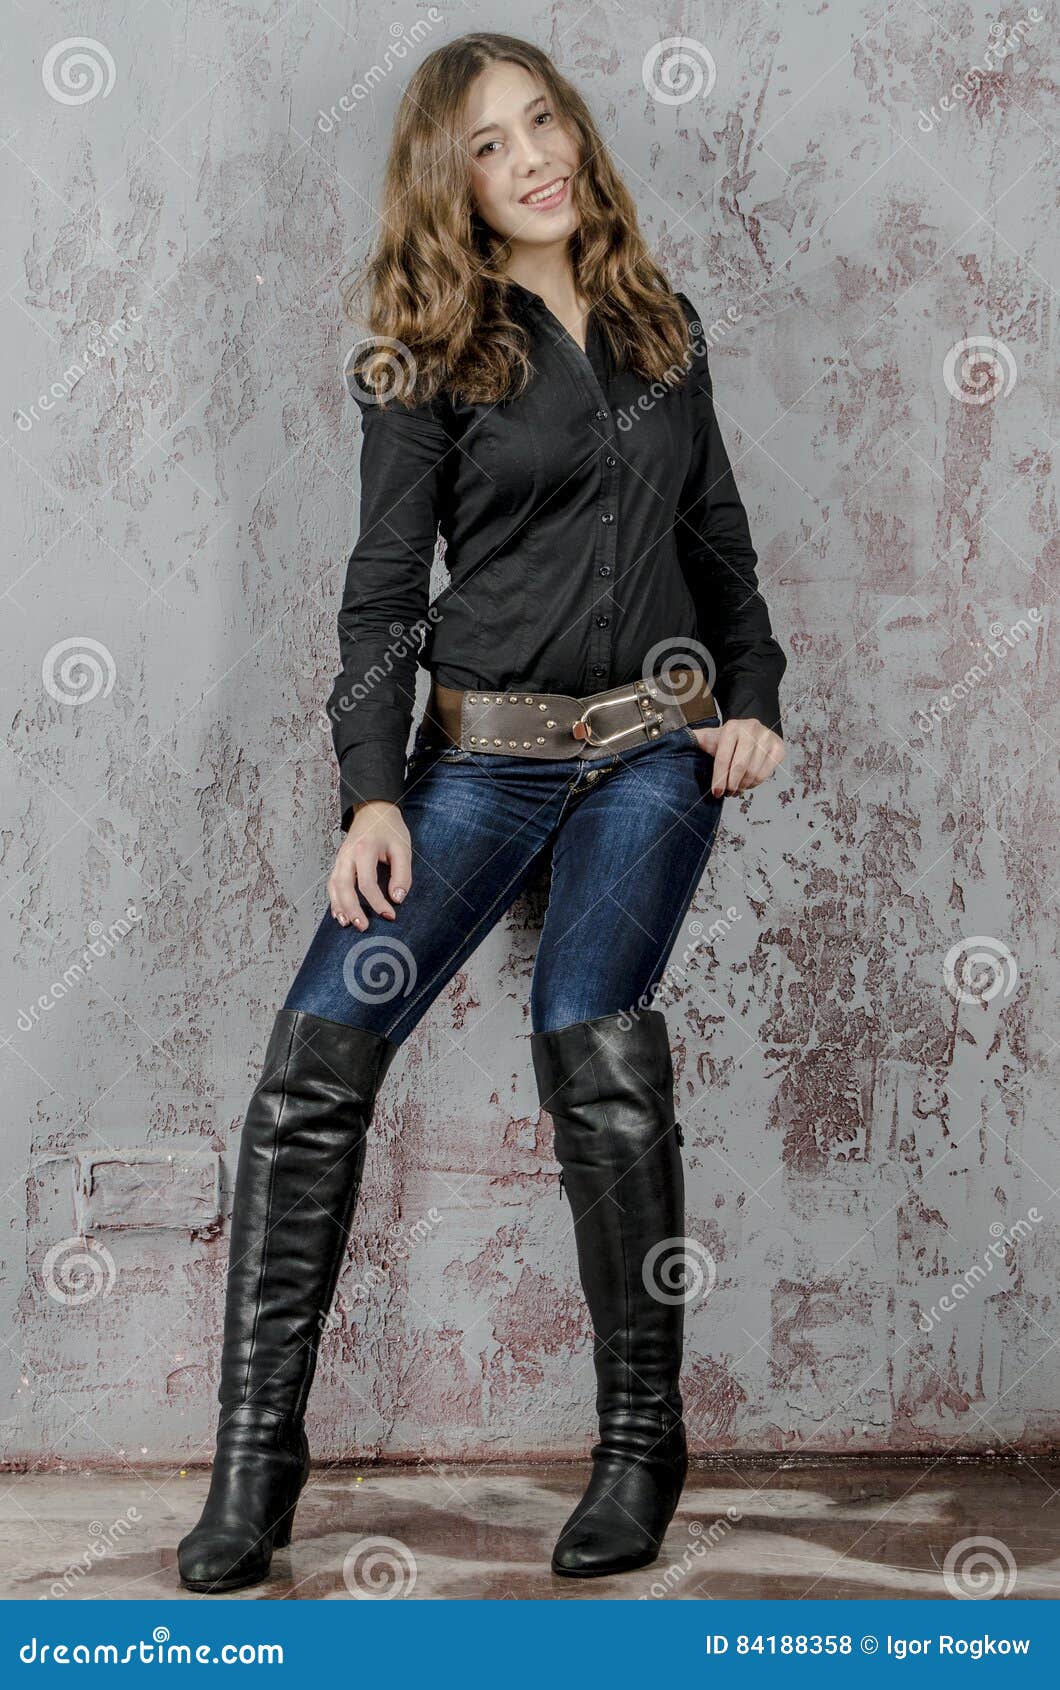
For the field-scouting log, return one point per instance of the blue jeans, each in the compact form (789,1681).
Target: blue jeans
(628,835)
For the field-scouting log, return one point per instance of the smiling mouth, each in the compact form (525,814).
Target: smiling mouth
(550,191)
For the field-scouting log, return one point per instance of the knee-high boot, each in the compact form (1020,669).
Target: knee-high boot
(608,1085)
(301,1156)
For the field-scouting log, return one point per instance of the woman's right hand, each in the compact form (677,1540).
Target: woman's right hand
(377,835)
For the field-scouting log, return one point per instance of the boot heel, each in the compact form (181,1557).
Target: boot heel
(281,1537)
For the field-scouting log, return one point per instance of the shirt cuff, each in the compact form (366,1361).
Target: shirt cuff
(755,697)
(369,771)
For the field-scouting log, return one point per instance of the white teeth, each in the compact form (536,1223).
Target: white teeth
(544,193)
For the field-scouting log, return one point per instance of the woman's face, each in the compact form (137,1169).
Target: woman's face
(516,146)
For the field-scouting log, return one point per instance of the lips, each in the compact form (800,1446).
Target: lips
(548,191)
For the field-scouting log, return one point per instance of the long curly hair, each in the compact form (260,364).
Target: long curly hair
(437,314)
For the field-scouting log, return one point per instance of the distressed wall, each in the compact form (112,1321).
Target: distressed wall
(870,1124)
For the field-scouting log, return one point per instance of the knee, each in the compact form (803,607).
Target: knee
(553,1017)
(556,1010)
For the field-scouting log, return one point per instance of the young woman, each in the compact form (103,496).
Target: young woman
(603,672)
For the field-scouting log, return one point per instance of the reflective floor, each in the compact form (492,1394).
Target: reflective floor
(844,1530)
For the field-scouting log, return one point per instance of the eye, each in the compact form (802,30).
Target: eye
(486,145)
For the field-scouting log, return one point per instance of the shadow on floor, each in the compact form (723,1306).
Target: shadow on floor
(744,1531)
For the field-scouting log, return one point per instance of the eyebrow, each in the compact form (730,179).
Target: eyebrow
(481,130)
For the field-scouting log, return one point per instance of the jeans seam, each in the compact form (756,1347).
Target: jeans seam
(525,868)
(662,956)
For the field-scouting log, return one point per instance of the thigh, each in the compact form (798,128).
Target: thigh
(477,836)
(626,862)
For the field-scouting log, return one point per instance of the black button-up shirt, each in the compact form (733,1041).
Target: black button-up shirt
(592,527)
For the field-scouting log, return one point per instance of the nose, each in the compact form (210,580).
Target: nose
(530,156)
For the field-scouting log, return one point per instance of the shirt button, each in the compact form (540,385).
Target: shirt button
(604,569)
(610,462)
(598,669)
(602,416)
(607,517)
(602,621)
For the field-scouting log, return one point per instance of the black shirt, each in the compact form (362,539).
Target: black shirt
(591,524)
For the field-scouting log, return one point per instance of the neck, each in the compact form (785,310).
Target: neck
(546,271)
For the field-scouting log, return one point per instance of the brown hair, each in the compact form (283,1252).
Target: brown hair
(437,288)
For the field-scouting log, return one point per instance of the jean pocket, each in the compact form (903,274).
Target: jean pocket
(707,722)
(423,754)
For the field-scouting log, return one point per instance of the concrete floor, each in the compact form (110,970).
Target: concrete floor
(744,1530)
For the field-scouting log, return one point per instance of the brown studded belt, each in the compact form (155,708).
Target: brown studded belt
(520,722)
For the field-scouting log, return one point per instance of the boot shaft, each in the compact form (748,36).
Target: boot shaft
(301,1158)
(608,1084)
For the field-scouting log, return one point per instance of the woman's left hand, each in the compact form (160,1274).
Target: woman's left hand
(745,753)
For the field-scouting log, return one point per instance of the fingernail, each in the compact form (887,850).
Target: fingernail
(399,894)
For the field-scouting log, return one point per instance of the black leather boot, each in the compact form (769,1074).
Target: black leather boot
(301,1156)
(608,1085)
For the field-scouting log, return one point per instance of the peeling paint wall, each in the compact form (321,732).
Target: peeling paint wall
(870,1129)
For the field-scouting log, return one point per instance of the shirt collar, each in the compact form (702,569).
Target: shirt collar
(525,294)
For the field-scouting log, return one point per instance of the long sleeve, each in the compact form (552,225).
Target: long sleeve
(386,598)
(719,562)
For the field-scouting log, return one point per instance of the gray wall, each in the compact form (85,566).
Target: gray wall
(871,1143)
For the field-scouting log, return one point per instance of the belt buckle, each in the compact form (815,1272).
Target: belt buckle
(582,722)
